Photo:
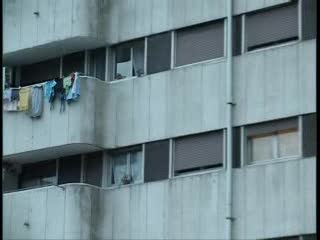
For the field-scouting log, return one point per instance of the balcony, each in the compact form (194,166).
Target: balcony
(55,133)
(270,201)
(35,31)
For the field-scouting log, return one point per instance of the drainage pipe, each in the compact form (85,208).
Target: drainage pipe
(229,217)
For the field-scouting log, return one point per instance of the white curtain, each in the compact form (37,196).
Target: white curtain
(119,168)
(136,166)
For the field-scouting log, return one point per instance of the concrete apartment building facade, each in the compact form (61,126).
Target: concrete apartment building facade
(142,154)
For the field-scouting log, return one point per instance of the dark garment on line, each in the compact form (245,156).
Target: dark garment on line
(15,94)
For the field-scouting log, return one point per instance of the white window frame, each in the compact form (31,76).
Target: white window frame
(114,64)
(246,153)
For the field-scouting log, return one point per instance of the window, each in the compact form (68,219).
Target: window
(69,169)
(273,140)
(159,53)
(97,63)
(309,135)
(237,35)
(126,166)
(93,168)
(38,174)
(199,43)
(73,63)
(301,237)
(10,77)
(40,72)
(129,59)
(272,26)
(309,19)
(198,152)
(156,166)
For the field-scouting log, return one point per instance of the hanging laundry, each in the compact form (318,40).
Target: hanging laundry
(60,91)
(7,94)
(59,86)
(67,84)
(49,88)
(37,101)
(50,92)
(25,98)
(11,100)
(15,94)
(11,106)
(74,93)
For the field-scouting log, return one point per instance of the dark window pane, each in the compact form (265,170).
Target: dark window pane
(156,166)
(73,63)
(309,19)
(236,152)
(40,72)
(309,137)
(37,174)
(97,66)
(200,43)
(159,53)
(272,26)
(198,151)
(69,169)
(93,168)
(237,35)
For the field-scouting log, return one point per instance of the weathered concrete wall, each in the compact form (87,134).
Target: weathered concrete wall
(275,83)
(276,199)
(57,20)
(53,128)
(268,84)
(110,20)
(129,19)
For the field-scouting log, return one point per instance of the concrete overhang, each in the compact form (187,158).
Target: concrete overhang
(50,50)
(50,153)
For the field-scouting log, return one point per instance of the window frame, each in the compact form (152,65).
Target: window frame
(113,65)
(109,165)
(173,175)
(245,148)
(276,45)
(39,185)
(213,60)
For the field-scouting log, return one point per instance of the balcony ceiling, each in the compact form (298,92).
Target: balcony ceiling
(50,153)
(50,50)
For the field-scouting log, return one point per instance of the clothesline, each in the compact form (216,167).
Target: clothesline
(30,98)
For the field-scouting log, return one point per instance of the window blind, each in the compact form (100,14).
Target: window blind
(198,151)
(271,26)
(200,43)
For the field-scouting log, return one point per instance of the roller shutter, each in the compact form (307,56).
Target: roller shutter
(271,126)
(198,151)
(200,43)
(272,26)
